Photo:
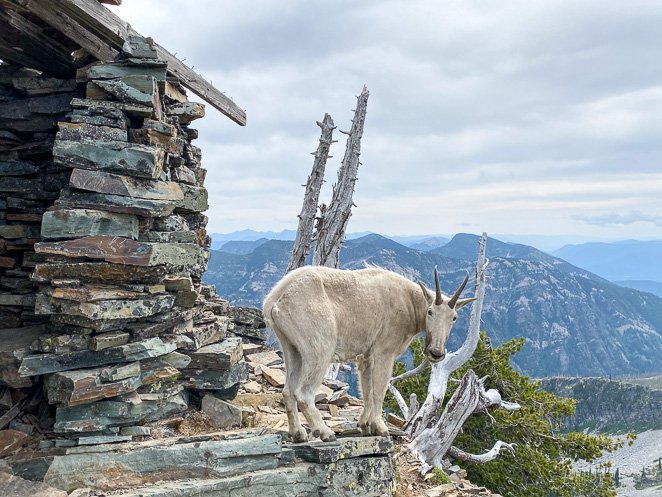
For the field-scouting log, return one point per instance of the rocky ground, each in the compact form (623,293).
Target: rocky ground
(630,459)
(250,422)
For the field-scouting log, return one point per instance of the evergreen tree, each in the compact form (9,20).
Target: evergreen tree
(617,479)
(542,463)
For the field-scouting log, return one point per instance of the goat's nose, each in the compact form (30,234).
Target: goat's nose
(436,354)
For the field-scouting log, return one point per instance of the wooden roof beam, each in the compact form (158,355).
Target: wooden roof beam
(114,31)
(70,28)
(45,54)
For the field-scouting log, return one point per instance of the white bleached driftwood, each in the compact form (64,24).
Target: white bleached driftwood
(432,430)
(333,220)
(311,197)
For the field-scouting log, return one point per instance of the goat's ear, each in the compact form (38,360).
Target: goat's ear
(428,296)
(462,302)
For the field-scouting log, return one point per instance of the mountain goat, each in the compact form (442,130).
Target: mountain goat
(368,316)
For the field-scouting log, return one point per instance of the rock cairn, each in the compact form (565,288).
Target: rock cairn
(104,245)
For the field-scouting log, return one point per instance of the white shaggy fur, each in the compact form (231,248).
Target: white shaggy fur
(368,316)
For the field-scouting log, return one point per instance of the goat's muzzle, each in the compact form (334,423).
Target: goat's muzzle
(436,355)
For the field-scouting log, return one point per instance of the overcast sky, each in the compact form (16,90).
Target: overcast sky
(529,117)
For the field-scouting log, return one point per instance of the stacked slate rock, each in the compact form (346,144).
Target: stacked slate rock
(131,328)
(30,106)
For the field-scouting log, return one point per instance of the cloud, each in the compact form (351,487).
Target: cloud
(515,110)
(623,218)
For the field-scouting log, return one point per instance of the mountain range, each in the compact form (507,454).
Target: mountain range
(618,261)
(573,321)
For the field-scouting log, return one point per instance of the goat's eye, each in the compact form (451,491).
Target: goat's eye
(429,312)
(454,318)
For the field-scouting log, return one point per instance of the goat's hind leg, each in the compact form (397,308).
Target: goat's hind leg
(292,381)
(313,370)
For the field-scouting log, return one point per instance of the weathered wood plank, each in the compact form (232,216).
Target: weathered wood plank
(45,53)
(114,31)
(92,293)
(47,12)
(201,87)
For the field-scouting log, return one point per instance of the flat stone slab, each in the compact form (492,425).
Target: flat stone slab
(124,251)
(105,309)
(14,345)
(343,448)
(224,383)
(267,358)
(363,477)
(117,469)
(85,385)
(11,440)
(124,158)
(98,272)
(129,186)
(39,364)
(122,69)
(275,377)
(105,106)
(76,223)
(217,356)
(222,414)
(115,203)
(107,414)
(13,486)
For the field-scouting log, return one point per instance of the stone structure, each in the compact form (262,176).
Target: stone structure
(103,240)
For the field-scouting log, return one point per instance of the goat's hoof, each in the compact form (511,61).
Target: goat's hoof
(383,433)
(299,436)
(325,435)
(379,429)
(328,437)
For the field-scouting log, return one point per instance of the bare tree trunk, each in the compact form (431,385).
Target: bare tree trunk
(313,186)
(333,223)
(441,371)
(432,431)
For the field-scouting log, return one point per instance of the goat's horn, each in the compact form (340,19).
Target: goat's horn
(437,298)
(458,292)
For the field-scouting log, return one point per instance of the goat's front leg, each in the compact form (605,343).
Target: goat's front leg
(381,375)
(365,366)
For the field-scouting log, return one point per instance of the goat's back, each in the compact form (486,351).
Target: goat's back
(360,294)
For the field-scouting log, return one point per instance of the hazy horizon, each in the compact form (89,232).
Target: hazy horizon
(540,241)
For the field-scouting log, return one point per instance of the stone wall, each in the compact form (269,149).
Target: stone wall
(30,106)
(103,248)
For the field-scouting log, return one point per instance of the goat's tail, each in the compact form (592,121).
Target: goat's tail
(269,309)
